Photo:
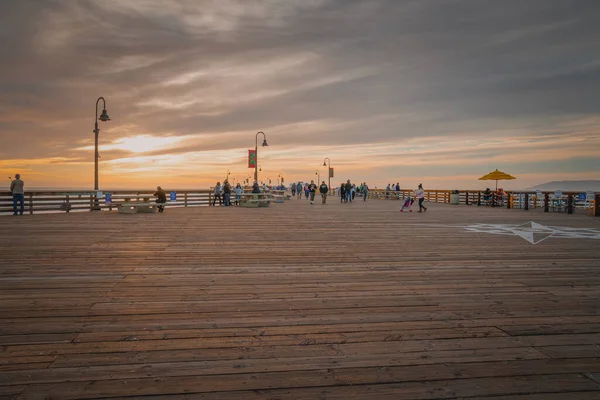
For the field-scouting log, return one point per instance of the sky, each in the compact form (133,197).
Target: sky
(438,92)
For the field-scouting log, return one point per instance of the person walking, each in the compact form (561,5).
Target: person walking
(161,198)
(353,191)
(293,187)
(18,194)
(226,193)
(238,194)
(365,191)
(217,193)
(299,190)
(343,193)
(323,189)
(312,188)
(348,192)
(306,191)
(420,194)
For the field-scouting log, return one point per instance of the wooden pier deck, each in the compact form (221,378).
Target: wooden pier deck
(353,301)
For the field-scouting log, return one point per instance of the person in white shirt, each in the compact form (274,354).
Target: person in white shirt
(420,194)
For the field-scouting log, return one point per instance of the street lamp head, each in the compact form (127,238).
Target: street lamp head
(104,116)
(324,164)
(265,144)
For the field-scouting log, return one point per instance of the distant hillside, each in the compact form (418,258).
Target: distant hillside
(568,186)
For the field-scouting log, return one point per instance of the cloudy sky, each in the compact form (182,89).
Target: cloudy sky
(432,91)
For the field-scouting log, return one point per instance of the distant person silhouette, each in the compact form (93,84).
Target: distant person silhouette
(161,198)
(18,194)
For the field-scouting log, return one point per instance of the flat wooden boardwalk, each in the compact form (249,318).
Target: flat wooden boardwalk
(352,301)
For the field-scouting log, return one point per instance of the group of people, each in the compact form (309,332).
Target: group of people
(391,188)
(222,193)
(493,198)
(310,191)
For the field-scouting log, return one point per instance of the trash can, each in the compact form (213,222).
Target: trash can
(454,197)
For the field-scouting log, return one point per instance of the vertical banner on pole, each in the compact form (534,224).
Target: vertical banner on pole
(331,172)
(251,158)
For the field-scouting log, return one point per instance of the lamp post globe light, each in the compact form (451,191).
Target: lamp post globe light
(103,117)
(328,171)
(264,144)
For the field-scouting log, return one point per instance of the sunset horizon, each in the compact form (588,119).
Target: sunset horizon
(391,92)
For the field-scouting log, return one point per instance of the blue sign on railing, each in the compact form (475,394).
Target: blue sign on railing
(581,197)
(108,198)
(173,196)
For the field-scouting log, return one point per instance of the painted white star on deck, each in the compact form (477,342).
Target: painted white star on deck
(535,233)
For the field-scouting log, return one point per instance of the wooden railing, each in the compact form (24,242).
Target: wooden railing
(37,201)
(522,199)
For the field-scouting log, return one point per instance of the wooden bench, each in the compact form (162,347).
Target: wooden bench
(129,207)
(255,200)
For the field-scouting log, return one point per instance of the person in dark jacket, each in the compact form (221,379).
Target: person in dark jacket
(343,192)
(255,187)
(312,188)
(323,189)
(226,193)
(161,198)
(348,192)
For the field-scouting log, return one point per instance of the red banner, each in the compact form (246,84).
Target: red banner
(251,158)
(331,172)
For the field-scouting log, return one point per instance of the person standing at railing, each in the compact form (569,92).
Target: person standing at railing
(161,198)
(255,187)
(217,193)
(420,195)
(18,194)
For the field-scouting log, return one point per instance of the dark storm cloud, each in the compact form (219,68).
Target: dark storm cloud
(190,67)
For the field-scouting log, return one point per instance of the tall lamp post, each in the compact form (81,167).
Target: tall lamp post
(318,177)
(228,173)
(328,171)
(264,144)
(103,117)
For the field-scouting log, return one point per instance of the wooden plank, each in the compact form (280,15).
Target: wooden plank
(306,309)
(432,389)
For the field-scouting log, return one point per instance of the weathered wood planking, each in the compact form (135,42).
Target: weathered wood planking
(297,302)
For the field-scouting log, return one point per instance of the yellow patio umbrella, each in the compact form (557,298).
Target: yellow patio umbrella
(497,176)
